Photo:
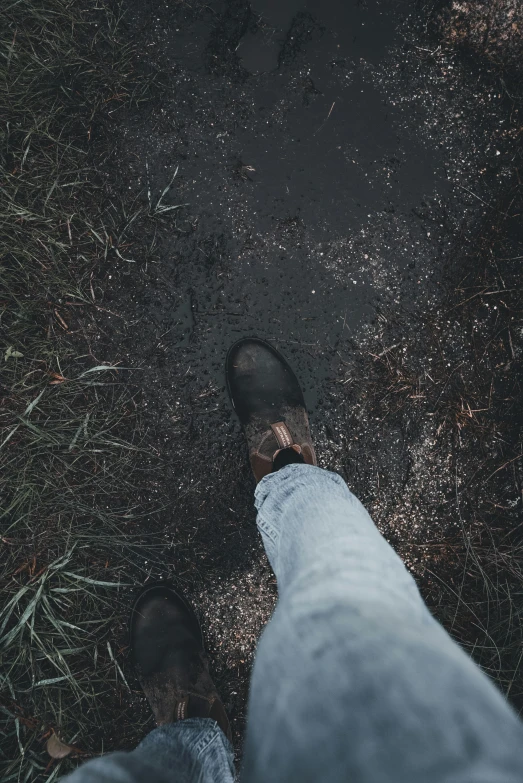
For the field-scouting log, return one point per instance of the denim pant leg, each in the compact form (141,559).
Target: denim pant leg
(192,751)
(354,680)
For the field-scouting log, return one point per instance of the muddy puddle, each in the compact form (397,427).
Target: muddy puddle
(295,167)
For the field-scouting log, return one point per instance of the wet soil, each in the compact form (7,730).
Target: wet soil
(338,179)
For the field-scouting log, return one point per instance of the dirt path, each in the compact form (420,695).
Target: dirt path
(337,171)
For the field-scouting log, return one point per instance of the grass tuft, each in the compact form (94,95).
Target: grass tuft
(70,440)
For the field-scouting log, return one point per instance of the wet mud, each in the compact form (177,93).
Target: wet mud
(331,168)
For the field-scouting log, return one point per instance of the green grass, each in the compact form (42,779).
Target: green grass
(69,437)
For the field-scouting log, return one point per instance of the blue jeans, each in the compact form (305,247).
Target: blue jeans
(354,680)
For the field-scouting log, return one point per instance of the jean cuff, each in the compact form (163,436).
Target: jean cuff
(276,488)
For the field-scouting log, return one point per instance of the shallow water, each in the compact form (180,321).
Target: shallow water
(302,180)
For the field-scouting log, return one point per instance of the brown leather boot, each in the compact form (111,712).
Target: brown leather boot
(168,653)
(269,402)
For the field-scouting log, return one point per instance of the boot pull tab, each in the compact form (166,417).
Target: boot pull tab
(282,435)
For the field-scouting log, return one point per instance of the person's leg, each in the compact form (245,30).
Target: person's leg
(354,680)
(190,751)
(192,741)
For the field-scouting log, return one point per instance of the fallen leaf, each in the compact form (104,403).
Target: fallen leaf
(57,378)
(56,748)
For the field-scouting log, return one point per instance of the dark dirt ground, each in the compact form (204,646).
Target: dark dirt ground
(347,186)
